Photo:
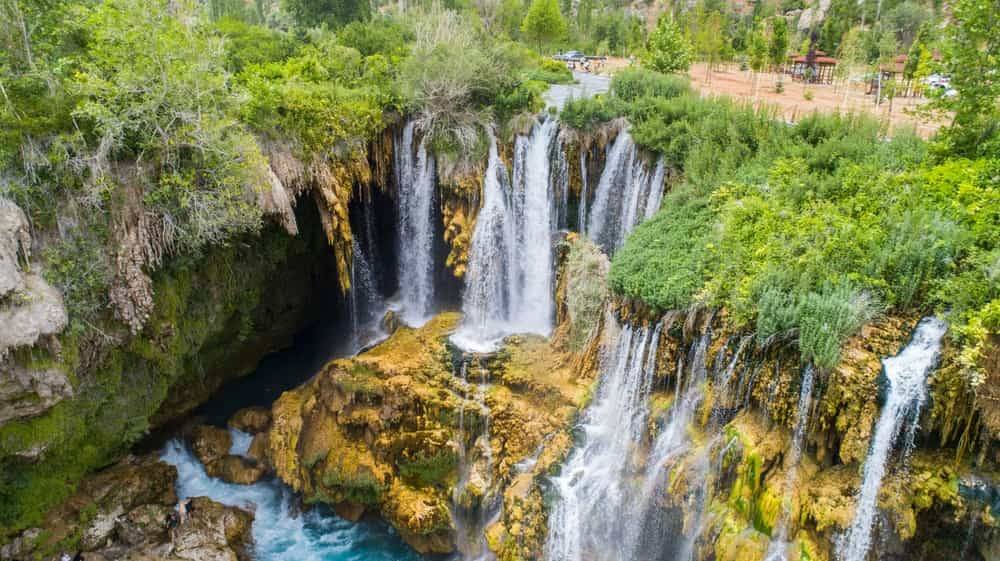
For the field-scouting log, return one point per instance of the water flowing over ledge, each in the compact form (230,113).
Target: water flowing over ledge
(510,279)
(416,200)
(906,374)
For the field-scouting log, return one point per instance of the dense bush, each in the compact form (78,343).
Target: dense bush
(805,231)
(634,83)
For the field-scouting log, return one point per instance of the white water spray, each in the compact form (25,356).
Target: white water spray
(509,281)
(907,376)
(415,208)
(281,532)
(588,519)
(627,193)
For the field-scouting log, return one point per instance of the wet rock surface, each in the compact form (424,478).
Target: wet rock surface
(394,430)
(123,513)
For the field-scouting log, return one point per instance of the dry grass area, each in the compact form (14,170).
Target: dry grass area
(792,104)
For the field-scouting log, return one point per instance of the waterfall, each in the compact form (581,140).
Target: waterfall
(589,517)
(476,468)
(776,550)
(907,375)
(416,215)
(364,302)
(581,218)
(509,280)
(626,194)
(671,442)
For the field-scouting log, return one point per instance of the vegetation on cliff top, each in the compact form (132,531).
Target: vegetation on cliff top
(806,230)
(135,136)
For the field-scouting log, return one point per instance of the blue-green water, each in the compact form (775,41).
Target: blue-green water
(283,532)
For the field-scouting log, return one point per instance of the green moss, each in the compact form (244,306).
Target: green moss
(200,304)
(429,468)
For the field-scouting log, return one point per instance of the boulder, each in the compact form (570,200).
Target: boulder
(210,443)
(258,448)
(214,532)
(235,469)
(143,524)
(251,420)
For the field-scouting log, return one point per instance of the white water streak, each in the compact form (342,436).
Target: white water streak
(415,208)
(626,194)
(588,519)
(907,376)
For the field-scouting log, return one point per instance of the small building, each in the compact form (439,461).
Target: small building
(814,68)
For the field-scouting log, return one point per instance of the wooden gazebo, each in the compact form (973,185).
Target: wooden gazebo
(814,68)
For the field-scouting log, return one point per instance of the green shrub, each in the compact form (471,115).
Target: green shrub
(586,288)
(634,83)
(587,113)
(551,72)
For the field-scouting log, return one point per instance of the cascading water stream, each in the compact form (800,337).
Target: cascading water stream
(779,543)
(281,531)
(588,518)
(509,280)
(906,374)
(671,442)
(581,218)
(415,174)
(364,301)
(476,469)
(627,193)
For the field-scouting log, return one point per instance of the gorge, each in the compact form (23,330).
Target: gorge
(618,322)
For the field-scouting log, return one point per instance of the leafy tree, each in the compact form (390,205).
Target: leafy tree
(906,20)
(543,22)
(852,58)
(332,13)
(972,58)
(667,50)
(778,48)
(709,40)
(757,54)
(510,16)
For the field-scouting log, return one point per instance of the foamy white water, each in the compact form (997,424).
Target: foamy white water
(509,281)
(627,193)
(588,518)
(415,173)
(281,532)
(907,376)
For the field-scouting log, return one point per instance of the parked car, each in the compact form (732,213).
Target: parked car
(572,56)
(937,81)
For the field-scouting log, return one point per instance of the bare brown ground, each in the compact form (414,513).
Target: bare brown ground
(791,104)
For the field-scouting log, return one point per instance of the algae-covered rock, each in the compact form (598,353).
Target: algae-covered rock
(384,431)
(251,419)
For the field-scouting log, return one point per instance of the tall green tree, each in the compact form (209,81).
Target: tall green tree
(332,13)
(971,50)
(757,54)
(543,23)
(709,39)
(667,50)
(778,47)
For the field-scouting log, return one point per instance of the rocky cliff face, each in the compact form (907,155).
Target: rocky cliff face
(405,428)
(71,401)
